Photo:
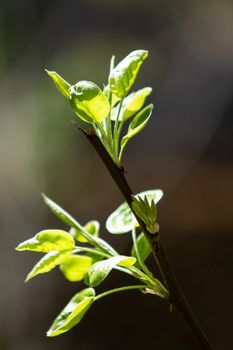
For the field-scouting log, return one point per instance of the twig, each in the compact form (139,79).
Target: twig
(176,296)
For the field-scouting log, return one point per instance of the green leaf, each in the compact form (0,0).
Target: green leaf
(89,102)
(144,249)
(115,98)
(70,221)
(75,267)
(100,270)
(91,227)
(48,262)
(73,313)
(122,219)
(61,213)
(137,124)
(47,240)
(131,104)
(122,77)
(147,212)
(60,83)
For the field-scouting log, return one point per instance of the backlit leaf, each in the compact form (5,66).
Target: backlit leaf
(100,270)
(89,102)
(137,124)
(70,221)
(131,104)
(144,248)
(73,313)
(122,219)
(48,262)
(115,98)
(75,267)
(122,77)
(47,240)
(60,83)
(91,227)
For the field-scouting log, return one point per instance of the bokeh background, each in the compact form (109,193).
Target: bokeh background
(186,150)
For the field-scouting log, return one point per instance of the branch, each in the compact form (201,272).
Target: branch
(176,296)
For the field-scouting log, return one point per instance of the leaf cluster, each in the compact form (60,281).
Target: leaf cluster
(79,252)
(108,109)
(82,255)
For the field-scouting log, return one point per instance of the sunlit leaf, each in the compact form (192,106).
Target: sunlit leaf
(91,227)
(144,248)
(115,98)
(73,313)
(100,270)
(122,219)
(89,102)
(137,124)
(70,221)
(60,83)
(147,212)
(47,240)
(48,262)
(61,213)
(122,77)
(131,104)
(75,267)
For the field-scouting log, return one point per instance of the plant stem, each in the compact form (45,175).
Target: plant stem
(176,296)
(141,263)
(91,251)
(115,131)
(121,289)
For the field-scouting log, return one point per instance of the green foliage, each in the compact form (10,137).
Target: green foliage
(62,251)
(124,74)
(73,313)
(62,85)
(48,262)
(70,221)
(89,102)
(131,104)
(92,259)
(47,241)
(137,124)
(98,108)
(91,227)
(143,248)
(122,219)
(147,212)
(100,270)
(75,267)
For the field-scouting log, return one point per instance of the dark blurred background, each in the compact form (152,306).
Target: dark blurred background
(186,150)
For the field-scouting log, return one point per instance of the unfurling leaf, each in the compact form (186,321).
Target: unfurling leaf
(73,313)
(60,83)
(48,262)
(147,212)
(100,270)
(75,267)
(137,124)
(91,227)
(89,102)
(131,104)
(47,240)
(143,247)
(122,77)
(122,219)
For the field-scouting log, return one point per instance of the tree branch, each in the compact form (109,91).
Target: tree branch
(176,296)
